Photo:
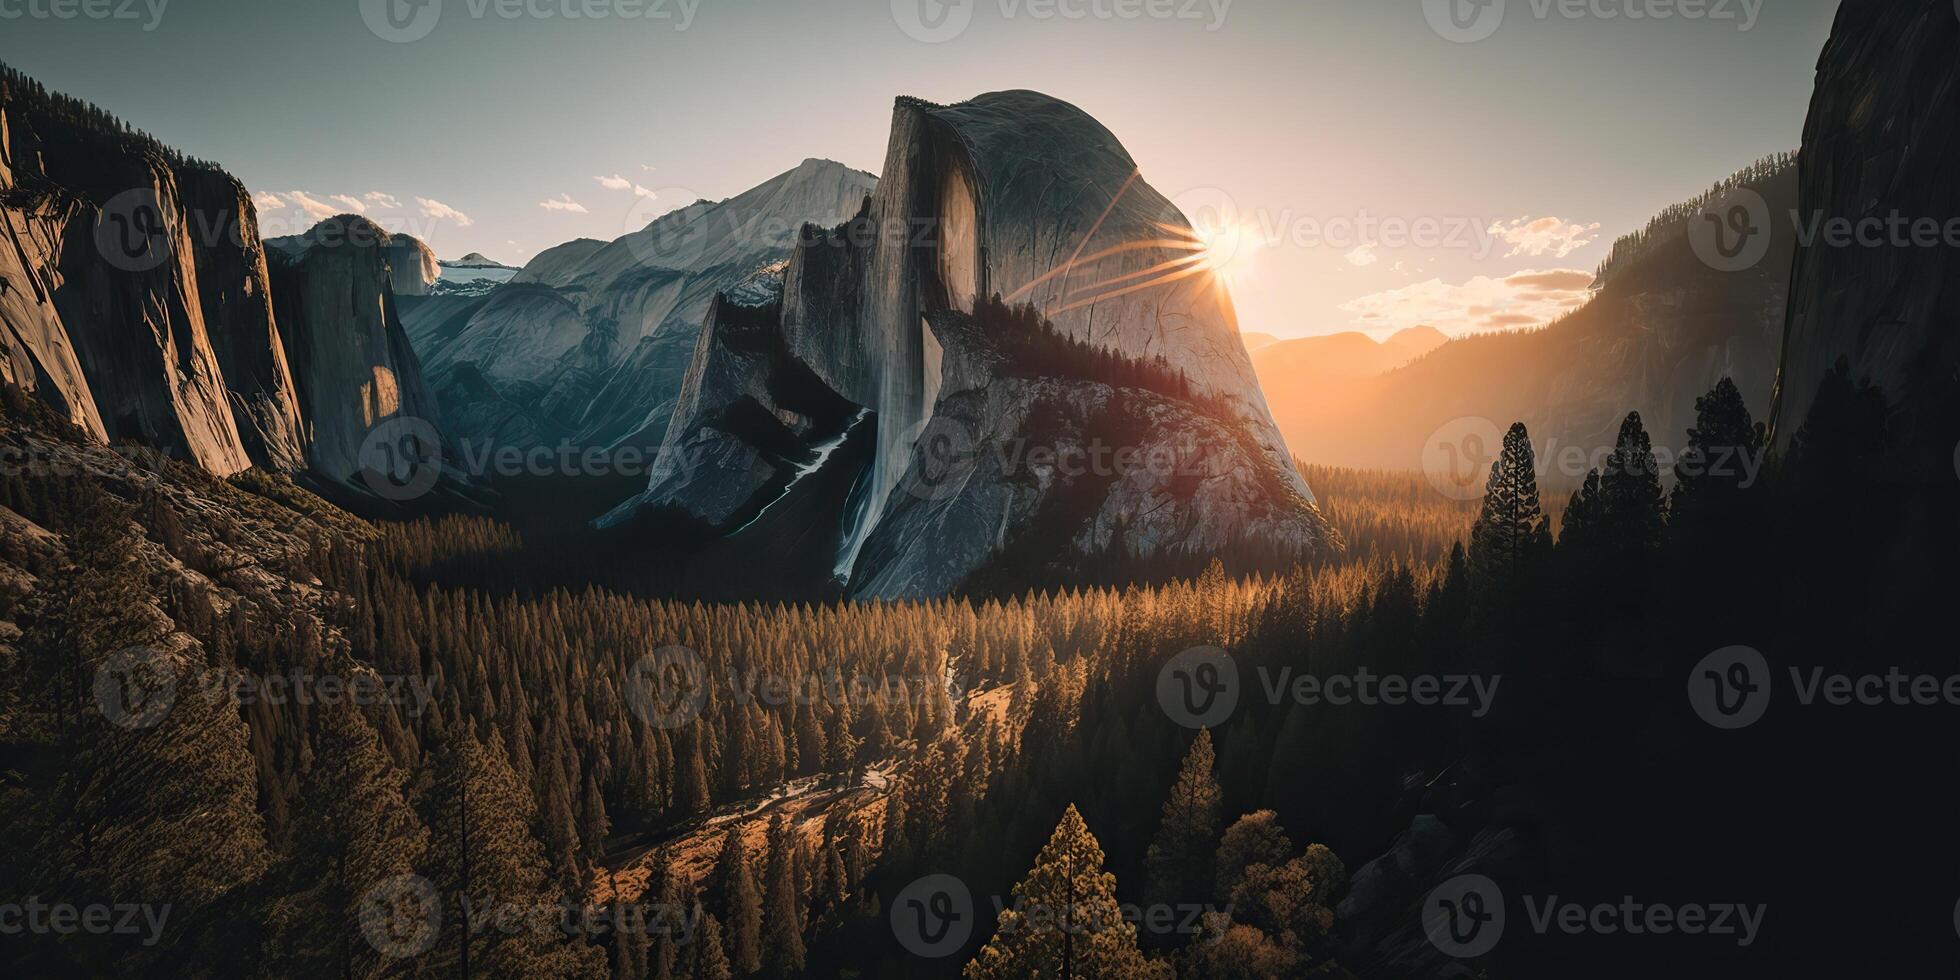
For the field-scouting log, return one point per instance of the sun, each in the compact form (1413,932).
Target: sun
(1229,248)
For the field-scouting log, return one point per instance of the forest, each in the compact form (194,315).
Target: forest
(358,769)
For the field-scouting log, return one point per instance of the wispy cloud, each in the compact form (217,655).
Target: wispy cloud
(443,212)
(1531,298)
(349,203)
(268,201)
(563,202)
(380,200)
(1362,256)
(316,209)
(1542,236)
(614,183)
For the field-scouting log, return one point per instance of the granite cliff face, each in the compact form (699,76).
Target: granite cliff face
(104,231)
(350,356)
(1882,140)
(412,266)
(591,340)
(1015,194)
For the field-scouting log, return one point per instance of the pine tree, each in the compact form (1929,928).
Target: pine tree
(782,938)
(731,889)
(1511,530)
(710,959)
(352,831)
(1634,509)
(484,862)
(1724,451)
(1179,861)
(1065,920)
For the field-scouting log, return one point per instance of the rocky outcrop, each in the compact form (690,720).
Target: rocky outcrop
(103,244)
(236,297)
(349,353)
(1881,142)
(1011,193)
(591,340)
(412,266)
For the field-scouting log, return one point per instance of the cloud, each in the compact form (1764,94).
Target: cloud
(563,202)
(316,209)
(1531,298)
(639,191)
(443,212)
(352,204)
(614,183)
(381,200)
(647,169)
(1362,257)
(267,201)
(1543,236)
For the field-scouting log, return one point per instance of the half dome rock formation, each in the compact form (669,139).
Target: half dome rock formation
(591,341)
(412,265)
(1114,340)
(104,309)
(1882,142)
(349,353)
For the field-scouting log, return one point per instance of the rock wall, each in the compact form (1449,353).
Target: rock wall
(412,266)
(236,297)
(1882,139)
(350,356)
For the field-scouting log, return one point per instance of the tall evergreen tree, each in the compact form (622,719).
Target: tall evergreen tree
(1065,921)
(1179,861)
(782,937)
(1634,508)
(1511,529)
(732,890)
(352,831)
(1724,455)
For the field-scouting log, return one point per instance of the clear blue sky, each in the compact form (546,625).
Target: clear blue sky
(1300,112)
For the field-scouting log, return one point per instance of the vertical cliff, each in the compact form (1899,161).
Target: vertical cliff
(1124,342)
(1882,142)
(350,357)
(236,297)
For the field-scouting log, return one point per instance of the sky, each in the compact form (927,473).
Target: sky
(1364,164)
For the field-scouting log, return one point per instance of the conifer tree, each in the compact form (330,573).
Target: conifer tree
(1511,529)
(1724,451)
(782,938)
(732,890)
(352,831)
(710,958)
(1255,838)
(1179,861)
(1634,509)
(1065,920)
